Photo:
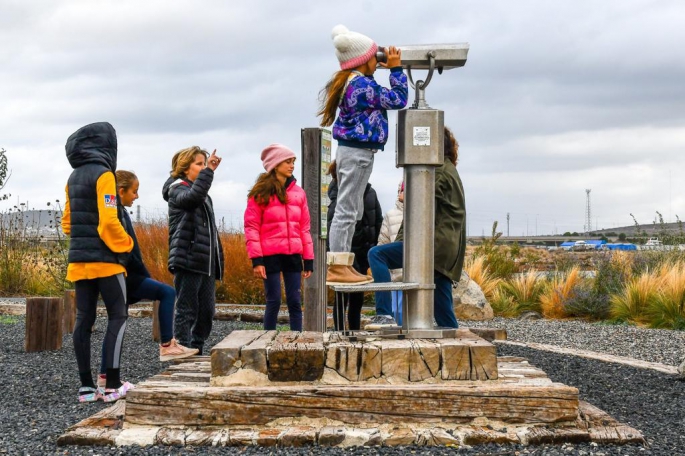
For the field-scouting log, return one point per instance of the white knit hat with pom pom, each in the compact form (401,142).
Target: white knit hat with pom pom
(352,48)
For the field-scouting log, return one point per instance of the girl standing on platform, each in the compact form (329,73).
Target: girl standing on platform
(277,234)
(361,129)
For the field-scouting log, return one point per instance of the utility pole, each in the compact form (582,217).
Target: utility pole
(137,213)
(588,212)
(507,224)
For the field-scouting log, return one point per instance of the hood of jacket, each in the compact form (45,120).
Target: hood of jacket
(166,187)
(95,143)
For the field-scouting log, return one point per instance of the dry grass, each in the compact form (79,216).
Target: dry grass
(503,305)
(558,291)
(524,291)
(238,285)
(667,308)
(480,273)
(631,304)
(153,239)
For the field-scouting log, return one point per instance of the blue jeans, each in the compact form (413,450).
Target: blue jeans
(384,257)
(155,291)
(272,287)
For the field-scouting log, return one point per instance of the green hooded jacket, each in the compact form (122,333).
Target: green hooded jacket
(450,222)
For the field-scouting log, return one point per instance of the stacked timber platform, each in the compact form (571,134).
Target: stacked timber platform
(292,389)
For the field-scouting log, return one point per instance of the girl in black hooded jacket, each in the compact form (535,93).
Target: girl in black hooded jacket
(195,253)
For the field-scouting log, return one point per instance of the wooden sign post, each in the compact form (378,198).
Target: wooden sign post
(316,157)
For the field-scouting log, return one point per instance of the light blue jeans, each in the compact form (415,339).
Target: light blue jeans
(354,168)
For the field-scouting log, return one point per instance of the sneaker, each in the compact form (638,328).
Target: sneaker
(89,394)
(113,395)
(175,351)
(380,321)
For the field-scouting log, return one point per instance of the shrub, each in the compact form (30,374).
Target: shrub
(503,304)
(524,291)
(587,303)
(480,273)
(558,291)
(632,302)
(667,308)
(239,285)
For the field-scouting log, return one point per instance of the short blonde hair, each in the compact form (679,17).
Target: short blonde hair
(183,159)
(125,179)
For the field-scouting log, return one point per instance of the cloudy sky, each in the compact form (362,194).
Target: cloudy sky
(556,97)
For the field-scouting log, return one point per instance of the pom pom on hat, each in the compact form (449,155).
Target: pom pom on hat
(274,155)
(352,49)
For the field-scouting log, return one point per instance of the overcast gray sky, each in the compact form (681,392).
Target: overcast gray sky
(556,97)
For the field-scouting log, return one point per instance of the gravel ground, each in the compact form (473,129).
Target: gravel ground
(655,345)
(38,392)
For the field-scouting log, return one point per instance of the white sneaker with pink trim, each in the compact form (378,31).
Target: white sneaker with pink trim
(175,351)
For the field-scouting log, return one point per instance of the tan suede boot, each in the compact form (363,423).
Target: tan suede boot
(355,272)
(340,270)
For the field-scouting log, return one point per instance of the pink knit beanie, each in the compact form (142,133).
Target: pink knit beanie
(274,155)
(352,48)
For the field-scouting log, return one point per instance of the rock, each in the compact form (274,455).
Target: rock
(530,315)
(681,369)
(469,301)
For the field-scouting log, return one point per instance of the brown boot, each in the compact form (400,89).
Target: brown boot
(340,271)
(350,262)
(357,273)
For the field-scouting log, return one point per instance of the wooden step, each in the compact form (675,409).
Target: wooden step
(310,356)
(524,402)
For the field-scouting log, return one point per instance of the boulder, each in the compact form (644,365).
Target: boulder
(530,315)
(469,301)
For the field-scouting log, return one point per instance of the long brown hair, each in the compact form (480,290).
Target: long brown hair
(267,184)
(333,170)
(182,160)
(451,147)
(330,97)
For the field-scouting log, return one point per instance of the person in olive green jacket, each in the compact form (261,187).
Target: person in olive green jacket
(450,245)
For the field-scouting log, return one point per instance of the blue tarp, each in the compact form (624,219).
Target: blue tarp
(568,244)
(621,246)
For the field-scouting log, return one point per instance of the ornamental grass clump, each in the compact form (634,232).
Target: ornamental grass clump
(559,291)
(523,291)
(479,272)
(666,309)
(632,302)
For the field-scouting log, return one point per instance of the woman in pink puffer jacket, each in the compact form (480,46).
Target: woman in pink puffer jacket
(277,234)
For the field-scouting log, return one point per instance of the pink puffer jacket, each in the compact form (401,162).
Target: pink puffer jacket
(279,228)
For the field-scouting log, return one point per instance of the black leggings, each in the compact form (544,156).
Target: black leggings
(113,291)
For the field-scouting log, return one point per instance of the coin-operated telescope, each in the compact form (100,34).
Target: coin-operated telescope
(420,149)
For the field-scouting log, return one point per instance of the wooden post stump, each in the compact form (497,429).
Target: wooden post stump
(69,312)
(155,322)
(43,324)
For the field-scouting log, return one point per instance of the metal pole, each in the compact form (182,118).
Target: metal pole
(419,226)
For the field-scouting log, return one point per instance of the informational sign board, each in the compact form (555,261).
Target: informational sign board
(326,144)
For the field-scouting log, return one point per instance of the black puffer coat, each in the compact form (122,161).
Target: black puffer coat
(366,230)
(194,244)
(91,151)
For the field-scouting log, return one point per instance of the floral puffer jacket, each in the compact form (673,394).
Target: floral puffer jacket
(279,228)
